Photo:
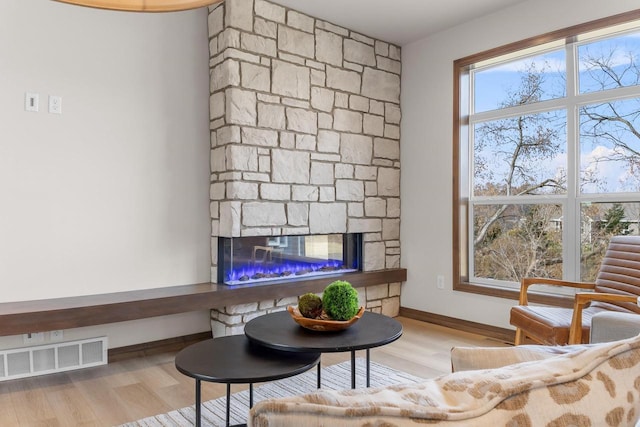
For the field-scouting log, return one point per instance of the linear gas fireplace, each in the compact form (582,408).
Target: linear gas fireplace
(255,259)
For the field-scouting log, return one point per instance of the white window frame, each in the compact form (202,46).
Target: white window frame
(572,200)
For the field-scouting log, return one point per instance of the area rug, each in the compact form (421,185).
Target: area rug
(334,377)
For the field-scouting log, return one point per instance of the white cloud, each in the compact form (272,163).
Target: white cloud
(613,175)
(559,164)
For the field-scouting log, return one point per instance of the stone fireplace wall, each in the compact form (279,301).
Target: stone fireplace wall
(305,138)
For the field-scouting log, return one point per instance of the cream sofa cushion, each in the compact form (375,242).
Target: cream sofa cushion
(472,358)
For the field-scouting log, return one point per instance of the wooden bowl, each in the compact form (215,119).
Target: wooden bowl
(320,324)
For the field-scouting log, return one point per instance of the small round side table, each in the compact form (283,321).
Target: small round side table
(280,332)
(235,360)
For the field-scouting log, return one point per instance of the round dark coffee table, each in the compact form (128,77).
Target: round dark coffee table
(235,360)
(280,332)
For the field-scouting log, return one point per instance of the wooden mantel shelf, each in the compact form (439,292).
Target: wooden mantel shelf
(73,312)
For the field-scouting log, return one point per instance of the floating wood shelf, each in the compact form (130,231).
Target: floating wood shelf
(73,312)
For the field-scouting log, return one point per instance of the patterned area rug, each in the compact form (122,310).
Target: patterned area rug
(333,378)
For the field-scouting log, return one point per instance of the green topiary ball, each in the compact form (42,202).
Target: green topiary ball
(340,300)
(310,305)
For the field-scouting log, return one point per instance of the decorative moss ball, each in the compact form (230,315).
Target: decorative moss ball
(340,300)
(310,305)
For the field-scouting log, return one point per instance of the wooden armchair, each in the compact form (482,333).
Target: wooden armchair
(617,288)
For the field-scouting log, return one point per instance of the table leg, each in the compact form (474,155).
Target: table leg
(228,402)
(353,369)
(368,368)
(198,409)
(250,395)
(319,375)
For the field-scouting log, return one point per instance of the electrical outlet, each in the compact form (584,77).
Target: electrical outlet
(56,335)
(440,282)
(33,338)
(55,104)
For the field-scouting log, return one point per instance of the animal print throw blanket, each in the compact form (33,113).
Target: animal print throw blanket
(596,385)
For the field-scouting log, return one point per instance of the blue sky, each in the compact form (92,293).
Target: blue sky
(493,85)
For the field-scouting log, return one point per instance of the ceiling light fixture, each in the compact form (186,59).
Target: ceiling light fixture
(143,5)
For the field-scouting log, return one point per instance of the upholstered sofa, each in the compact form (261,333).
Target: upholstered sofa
(583,385)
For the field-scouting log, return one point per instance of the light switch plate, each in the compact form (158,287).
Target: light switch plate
(31,102)
(33,338)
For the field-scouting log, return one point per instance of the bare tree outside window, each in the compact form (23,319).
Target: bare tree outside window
(610,130)
(521,161)
(517,156)
(610,145)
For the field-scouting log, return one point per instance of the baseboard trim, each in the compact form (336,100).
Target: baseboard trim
(155,347)
(500,334)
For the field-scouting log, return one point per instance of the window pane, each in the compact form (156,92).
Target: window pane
(520,82)
(521,155)
(610,147)
(516,241)
(599,222)
(541,161)
(609,64)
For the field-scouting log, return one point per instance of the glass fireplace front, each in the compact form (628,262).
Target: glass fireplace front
(262,258)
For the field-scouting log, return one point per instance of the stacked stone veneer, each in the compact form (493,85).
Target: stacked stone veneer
(305,139)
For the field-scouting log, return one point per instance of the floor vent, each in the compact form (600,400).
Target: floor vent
(56,357)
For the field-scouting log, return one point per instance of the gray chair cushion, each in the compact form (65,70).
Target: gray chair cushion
(609,326)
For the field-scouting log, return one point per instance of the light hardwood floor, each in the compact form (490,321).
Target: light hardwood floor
(134,388)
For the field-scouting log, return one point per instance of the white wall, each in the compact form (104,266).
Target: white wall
(427,120)
(112,195)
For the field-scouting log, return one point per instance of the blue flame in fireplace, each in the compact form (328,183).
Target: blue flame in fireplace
(287,269)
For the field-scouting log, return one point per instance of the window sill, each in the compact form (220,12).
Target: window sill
(512,294)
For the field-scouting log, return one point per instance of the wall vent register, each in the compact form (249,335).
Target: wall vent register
(47,359)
